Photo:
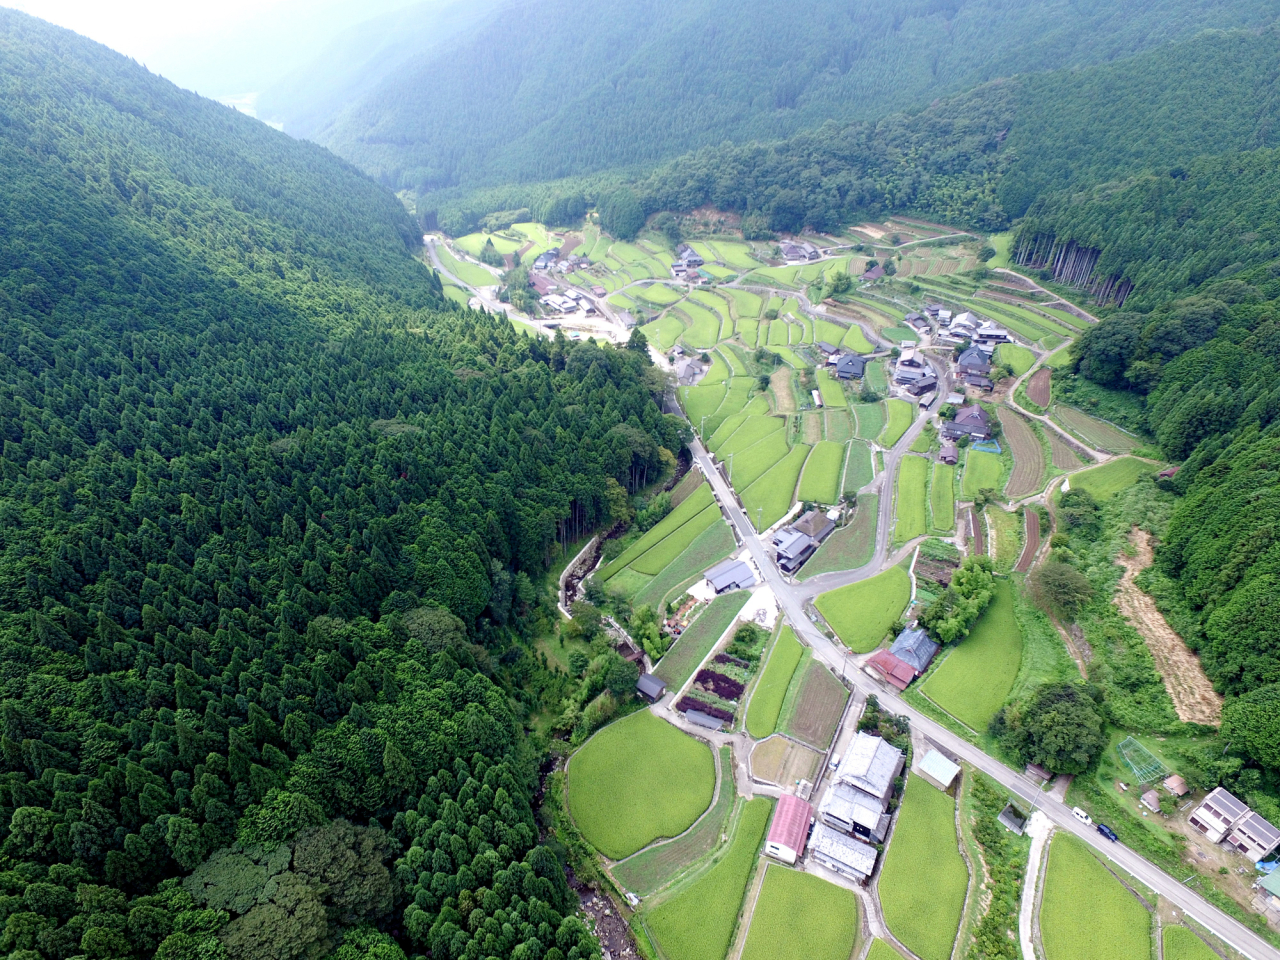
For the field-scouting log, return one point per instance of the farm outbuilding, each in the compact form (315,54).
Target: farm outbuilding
(890,669)
(1176,785)
(731,575)
(1151,800)
(938,770)
(789,831)
(650,687)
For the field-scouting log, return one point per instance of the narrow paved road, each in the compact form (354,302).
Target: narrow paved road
(1234,933)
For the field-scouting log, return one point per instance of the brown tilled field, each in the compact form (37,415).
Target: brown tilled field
(977,530)
(819,705)
(1038,387)
(783,762)
(1028,456)
(1064,458)
(1033,542)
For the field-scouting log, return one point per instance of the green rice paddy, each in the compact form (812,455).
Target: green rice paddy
(942,496)
(799,916)
(1081,894)
(862,612)
(698,923)
(1110,478)
(870,420)
(654,560)
(1020,358)
(982,471)
(974,681)
(924,880)
(692,505)
(820,482)
(766,699)
(831,389)
(859,470)
(637,780)
(912,474)
(901,414)
(767,499)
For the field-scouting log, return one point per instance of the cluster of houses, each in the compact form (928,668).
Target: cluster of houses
(973,422)
(852,815)
(1224,819)
(846,366)
(552,261)
(568,302)
(913,373)
(908,658)
(687,264)
(797,543)
(799,250)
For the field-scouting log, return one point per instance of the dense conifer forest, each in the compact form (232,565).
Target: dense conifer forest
(271,518)
(979,159)
(542,91)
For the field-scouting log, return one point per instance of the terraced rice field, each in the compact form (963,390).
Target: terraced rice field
(651,869)
(869,420)
(856,340)
(820,482)
(922,907)
(831,389)
(698,922)
(712,545)
(862,612)
(471,274)
(1096,433)
(746,305)
(703,326)
(473,243)
(736,435)
(1081,894)
(654,560)
(942,496)
(689,508)
(750,465)
(766,699)
(849,547)
(696,642)
(664,332)
(1006,537)
(1028,456)
(799,916)
(637,780)
(768,499)
(1020,358)
(701,401)
(1062,456)
(1030,541)
(1112,477)
(901,414)
(982,471)
(910,522)
(858,470)
(663,296)
(977,675)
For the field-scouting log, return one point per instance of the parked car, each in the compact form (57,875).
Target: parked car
(1107,832)
(1082,816)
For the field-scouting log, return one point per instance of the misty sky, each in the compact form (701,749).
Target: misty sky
(224,49)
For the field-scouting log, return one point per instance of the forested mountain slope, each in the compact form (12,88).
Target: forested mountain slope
(979,158)
(1205,368)
(547,90)
(269,514)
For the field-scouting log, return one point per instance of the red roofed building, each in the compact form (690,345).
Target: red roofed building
(790,829)
(891,669)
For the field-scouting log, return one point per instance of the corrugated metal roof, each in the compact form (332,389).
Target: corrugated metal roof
(857,856)
(790,826)
(939,767)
